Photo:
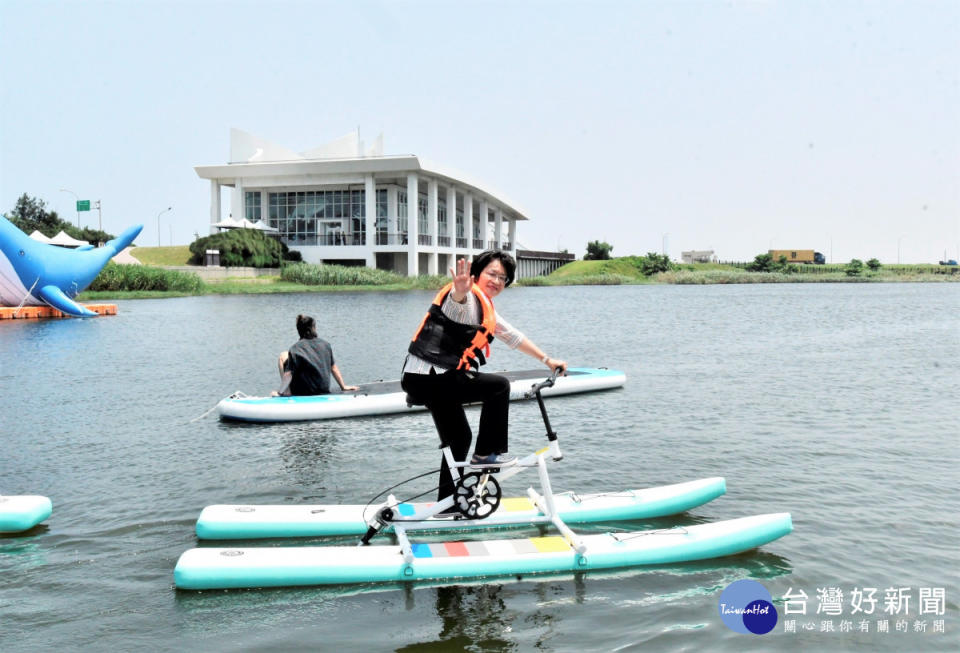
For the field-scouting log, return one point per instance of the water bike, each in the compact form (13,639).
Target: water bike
(478,503)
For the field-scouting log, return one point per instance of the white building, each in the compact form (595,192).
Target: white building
(698,256)
(340,204)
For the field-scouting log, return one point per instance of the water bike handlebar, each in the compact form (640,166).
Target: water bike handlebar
(534,391)
(546,383)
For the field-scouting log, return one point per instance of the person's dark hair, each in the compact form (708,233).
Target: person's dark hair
(487,257)
(306,326)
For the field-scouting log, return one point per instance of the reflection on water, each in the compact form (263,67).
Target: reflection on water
(22,551)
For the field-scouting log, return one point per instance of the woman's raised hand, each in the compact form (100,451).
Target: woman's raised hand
(462,281)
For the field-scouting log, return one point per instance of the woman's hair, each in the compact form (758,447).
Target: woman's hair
(306,326)
(487,257)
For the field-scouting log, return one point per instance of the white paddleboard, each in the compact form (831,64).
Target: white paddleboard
(387,397)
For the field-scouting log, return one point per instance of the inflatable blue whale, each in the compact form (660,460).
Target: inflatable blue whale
(34,273)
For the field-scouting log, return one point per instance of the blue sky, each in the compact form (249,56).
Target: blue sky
(734,126)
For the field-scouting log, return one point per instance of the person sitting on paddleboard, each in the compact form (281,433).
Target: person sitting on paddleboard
(452,342)
(306,367)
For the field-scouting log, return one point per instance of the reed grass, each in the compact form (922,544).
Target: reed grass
(120,276)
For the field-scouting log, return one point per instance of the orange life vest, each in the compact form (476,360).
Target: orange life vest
(450,344)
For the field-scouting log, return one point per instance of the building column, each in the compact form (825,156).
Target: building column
(497,228)
(370,208)
(512,234)
(265,208)
(214,204)
(432,204)
(452,216)
(484,223)
(237,201)
(468,222)
(413,262)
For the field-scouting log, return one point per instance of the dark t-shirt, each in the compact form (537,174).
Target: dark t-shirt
(310,361)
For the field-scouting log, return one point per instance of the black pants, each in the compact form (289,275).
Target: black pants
(444,396)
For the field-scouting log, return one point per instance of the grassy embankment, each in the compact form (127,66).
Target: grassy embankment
(149,280)
(176,255)
(118,281)
(626,270)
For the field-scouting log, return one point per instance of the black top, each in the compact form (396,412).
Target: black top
(310,361)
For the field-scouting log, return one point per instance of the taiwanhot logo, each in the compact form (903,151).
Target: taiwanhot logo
(747,607)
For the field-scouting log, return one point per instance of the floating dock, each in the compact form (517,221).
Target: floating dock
(44,312)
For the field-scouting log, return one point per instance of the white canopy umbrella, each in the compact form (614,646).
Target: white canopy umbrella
(263,226)
(232,223)
(65,240)
(227,223)
(37,235)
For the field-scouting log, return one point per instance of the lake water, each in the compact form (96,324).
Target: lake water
(835,402)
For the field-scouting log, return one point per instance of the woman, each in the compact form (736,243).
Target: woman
(446,351)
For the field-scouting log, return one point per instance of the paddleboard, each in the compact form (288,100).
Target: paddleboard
(222,568)
(388,397)
(23,512)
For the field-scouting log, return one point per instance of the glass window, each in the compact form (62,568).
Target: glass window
(252,205)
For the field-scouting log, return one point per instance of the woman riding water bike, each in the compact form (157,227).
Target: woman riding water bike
(444,356)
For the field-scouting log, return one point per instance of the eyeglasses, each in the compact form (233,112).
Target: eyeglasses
(502,278)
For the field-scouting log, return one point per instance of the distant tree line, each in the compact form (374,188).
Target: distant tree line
(765,263)
(31,214)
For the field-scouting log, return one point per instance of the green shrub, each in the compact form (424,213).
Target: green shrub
(598,251)
(241,247)
(654,263)
(761,263)
(873,264)
(854,267)
(118,276)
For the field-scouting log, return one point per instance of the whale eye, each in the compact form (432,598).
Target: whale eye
(22,253)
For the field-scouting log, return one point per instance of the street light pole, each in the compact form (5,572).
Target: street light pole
(158,223)
(64,190)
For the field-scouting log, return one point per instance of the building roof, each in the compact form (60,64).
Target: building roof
(257,160)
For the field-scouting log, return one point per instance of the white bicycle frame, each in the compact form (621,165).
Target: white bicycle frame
(388,515)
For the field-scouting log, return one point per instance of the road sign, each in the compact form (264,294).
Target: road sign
(83,205)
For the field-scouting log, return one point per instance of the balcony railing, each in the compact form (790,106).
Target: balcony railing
(324,240)
(443,241)
(424,239)
(478,243)
(384,238)
(462,243)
